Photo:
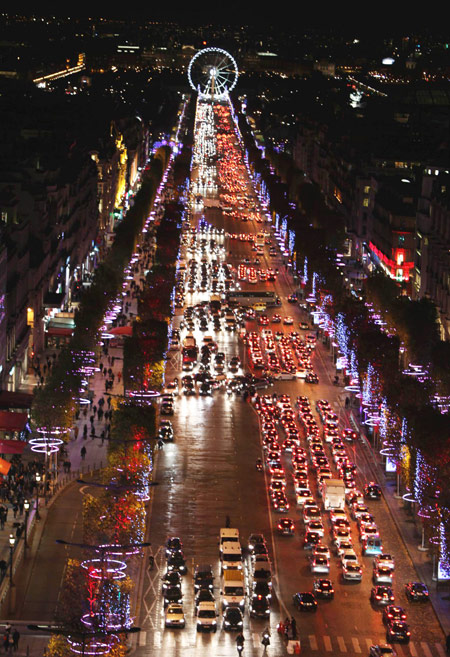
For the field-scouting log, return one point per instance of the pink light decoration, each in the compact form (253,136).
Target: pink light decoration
(98,568)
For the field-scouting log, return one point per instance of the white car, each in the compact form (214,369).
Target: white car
(316,526)
(352,571)
(320,565)
(384,560)
(349,556)
(382,575)
(337,514)
(174,615)
(284,376)
(321,550)
(302,495)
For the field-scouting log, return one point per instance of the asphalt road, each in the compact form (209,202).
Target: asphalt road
(209,473)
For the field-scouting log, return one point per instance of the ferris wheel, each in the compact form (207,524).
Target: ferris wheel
(213,72)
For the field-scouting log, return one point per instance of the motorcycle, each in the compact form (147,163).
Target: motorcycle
(265,639)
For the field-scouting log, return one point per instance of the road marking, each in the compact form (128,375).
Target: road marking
(440,649)
(341,642)
(255,637)
(426,649)
(313,642)
(412,649)
(356,646)
(327,642)
(142,638)
(157,639)
(369,643)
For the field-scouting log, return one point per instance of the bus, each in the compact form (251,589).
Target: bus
(250,297)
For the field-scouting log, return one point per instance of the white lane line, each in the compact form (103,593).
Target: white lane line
(412,649)
(313,642)
(426,649)
(341,642)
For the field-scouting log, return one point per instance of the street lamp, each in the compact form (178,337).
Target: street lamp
(12,590)
(38,481)
(26,506)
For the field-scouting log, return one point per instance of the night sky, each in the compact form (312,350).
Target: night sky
(343,17)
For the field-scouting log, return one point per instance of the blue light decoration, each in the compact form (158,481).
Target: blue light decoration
(305,271)
(277,222)
(367,391)
(342,335)
(314,284)
(384,419)
(283,229)
(354,365)
(444,557)
(424,481)
(291,243)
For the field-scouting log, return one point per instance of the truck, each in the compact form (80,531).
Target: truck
(333,494)
(233,589)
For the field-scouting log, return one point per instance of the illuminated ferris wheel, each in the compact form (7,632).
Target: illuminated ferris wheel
(213,72)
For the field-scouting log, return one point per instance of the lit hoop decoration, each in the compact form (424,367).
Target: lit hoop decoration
(113,623)
(93,647)
(110,567)
(48,443)
(408,497)
(388,452)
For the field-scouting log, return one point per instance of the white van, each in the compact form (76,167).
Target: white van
(228,535)
(231,556)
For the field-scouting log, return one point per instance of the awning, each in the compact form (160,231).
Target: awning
(53,299)
(60,330)
(10,421)
(4,467)
(121,330)
(12,446)
(10,399)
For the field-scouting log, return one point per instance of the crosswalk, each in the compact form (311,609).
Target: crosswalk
(311,643)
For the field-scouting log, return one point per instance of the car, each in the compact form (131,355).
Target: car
(416,592)
(384,560)
(203,577)
(304,601)
(312,378)
(203,595)
(259,549)
(259,606)
(320,565)
(262,588)
(166,408)
(172,594)
(288,320)
(173,544)
(311,539)
(382,575)
(323,588)
(285,527)
(351,571)
(165,431)
(292,298)
(372,491)
(176,561)
(233,619)
(206,616)
(174,615)
(382,650)
(321,550)
(398,631)
(303,326)
(392,612)
(171,578)
(382,595)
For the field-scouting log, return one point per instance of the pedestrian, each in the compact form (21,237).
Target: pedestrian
(76,431)
(6,641)
(85,430)
(227,521)
(15,510)
(160,444)
(92,419)
(293,627)
(83,452)
(15,638)
(94,410)
(92,432)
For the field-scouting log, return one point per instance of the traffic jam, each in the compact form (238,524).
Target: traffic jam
(237,334)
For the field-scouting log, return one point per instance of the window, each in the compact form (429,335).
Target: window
(367,189)
(366,202)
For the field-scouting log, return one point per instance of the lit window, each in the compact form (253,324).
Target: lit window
(366,202)
(367,189)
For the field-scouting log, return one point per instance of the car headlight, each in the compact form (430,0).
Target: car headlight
(242,603)
(227,623)
(225,603)
(214,623)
